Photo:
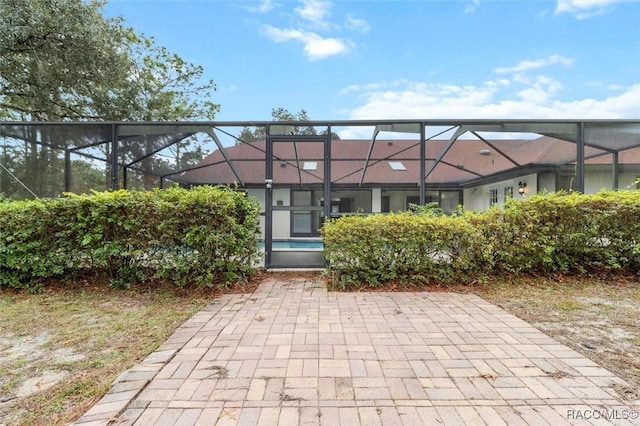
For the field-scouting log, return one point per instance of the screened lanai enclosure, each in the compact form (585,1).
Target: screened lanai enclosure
(305,172)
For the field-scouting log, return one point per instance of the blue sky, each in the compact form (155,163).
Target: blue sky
(382,59)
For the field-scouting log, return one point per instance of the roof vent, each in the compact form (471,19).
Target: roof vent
(484,152)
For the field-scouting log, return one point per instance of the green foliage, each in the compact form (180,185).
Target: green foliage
(429,209)
(64,60)
(282,114)
(56,56)
(203,236)
(399,246)
(544,234)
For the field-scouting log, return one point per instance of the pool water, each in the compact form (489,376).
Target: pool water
(295,244)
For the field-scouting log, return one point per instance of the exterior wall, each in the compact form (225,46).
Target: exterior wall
(628,180)
(473,199)
(478,198)
(598,180)
(546,182)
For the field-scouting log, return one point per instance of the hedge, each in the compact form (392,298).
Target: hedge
(205,236)
(546,233)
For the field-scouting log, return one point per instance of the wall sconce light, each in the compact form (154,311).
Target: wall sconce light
(283,163)
(522,188)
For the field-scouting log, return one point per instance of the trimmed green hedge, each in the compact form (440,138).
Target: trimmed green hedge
(205,236)
(548,233)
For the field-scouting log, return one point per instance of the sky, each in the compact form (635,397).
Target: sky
(424,59)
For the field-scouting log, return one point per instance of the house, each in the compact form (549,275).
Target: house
(302,176)
(384,176)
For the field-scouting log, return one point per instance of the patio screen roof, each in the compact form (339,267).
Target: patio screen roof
(433,152)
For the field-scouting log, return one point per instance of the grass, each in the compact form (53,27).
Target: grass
(93,333)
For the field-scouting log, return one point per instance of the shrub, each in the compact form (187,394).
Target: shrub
(545,233)
(204,236)
(399,246)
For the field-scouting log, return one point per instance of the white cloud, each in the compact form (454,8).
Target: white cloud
(472,6)
(315,46)
(310,19)
(528,65)
(264,6)
(583,9)
(624,105)
(357,24)
(227,89)
(540,91)
(314,11)
(490,100)
(513,94)
(370,87)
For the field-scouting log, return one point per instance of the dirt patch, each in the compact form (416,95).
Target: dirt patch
(22,359)
(40,382)
(598,317)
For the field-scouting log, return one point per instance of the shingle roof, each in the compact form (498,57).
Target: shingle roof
(463,162)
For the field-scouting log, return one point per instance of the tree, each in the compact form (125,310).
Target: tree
(55,57)
(160,86)
(282,114)
(85,176)
(63,60)
(248,136)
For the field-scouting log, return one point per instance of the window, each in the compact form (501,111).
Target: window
(508,192)
(301,223)
(302,198)
(493,197)
(305,223)
(397,165)
(351,201)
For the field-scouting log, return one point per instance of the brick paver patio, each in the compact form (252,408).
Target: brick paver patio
(293,353)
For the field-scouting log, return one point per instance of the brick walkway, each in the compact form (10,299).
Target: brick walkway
(293,353)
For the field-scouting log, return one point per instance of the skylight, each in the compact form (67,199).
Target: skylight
(310,165)
(397,165)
